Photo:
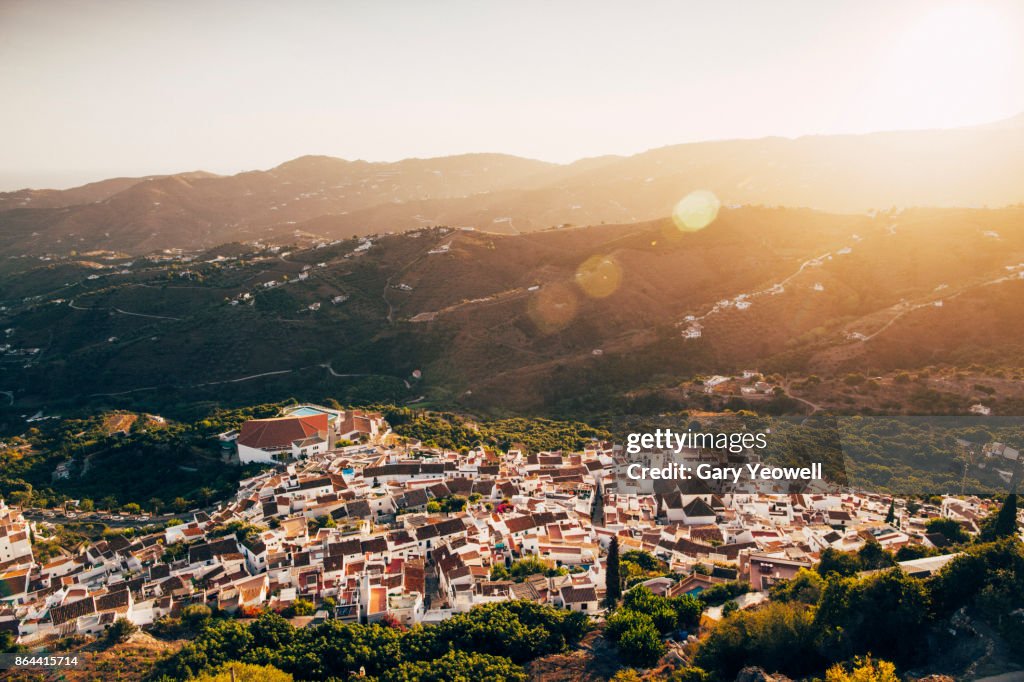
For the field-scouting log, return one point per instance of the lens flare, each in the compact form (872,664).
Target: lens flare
(553,308)
(599,276)
(696,211)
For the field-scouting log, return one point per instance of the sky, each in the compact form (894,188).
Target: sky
(112,88)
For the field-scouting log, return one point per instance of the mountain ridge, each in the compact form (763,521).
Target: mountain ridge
(502,193)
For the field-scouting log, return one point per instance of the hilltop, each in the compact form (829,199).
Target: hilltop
(335,198)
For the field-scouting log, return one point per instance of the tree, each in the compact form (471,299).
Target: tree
(873,556)
(121,630)
(457,666)
(196,615)
(890,518)
(132,508)
(948,528)
(613,582)
(863,670)
(778,637)
(205,495)
(1002,524)
(622,620)
(805,587)
(689,674)
(109,503)
(641,644)
(839,563)
(245,672)
(85,504)
(8,644)
(302,607)
(884,613)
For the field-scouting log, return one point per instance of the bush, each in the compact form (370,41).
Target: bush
(245,672)
(778,637)
(805,587)
(641,644)
(622,620)
(884,613)
(121,630)
(950,529)
(723,592)
(863,670)
(689,674)
(456,666)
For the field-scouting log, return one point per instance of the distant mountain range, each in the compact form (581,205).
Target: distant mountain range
(335,198)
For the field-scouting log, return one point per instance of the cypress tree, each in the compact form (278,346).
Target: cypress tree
(613,583)
(1006,522)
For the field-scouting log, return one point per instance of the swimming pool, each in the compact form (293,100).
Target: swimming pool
(309,412)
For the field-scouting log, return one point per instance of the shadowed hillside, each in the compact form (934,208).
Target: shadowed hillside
(550,320)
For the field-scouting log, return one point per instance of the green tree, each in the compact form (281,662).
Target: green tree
(245,672)
(641,644)
(873,556)
(456,666)
(195,616)
(302,607)
(884,613)
(948,528)
(1002,524)
(121,630)
(612,580)
(778,637)
(805,587)
(863,670)
(834,562)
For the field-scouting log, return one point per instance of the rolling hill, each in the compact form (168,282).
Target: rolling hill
(334,198)
(563,320)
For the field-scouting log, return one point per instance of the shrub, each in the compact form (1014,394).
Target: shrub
(641,644)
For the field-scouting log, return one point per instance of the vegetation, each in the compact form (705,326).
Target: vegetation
(523,568)
(245,672)
(121,630)
(612,579)
(863,670)
(451,431)
(826,618)
(951,529)
(159,466)
(488,642)
(637,627)
(1002,524)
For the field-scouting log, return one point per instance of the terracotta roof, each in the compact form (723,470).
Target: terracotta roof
(575,595)
(282,431)
(82,607)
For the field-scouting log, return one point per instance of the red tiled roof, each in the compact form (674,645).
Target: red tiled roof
(281,432)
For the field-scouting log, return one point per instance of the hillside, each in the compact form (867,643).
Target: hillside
(335,198)
(558,320)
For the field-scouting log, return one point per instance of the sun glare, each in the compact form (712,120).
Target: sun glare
(949,68)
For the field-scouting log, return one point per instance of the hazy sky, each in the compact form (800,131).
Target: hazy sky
(97,89)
